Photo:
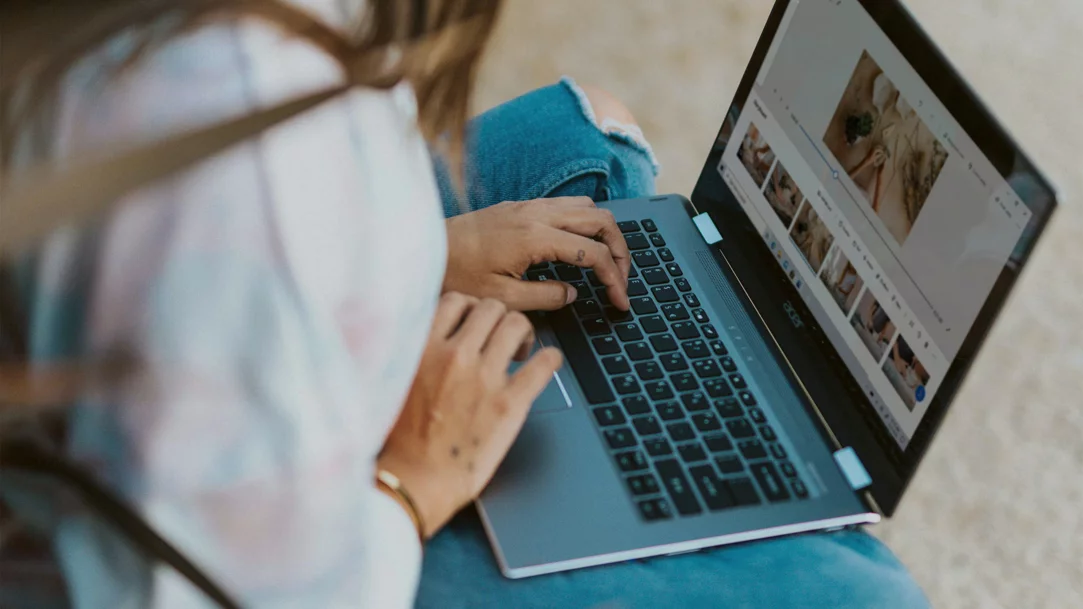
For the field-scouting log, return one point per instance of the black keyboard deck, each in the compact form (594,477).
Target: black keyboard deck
(675,412)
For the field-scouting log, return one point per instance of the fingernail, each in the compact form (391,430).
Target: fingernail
(572,294)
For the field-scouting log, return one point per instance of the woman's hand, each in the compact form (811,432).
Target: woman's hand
(464,409)
(490,249)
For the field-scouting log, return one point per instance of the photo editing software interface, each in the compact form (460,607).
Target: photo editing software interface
(888,219)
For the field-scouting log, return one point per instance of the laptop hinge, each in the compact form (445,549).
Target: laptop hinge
(707,228)
(852,468)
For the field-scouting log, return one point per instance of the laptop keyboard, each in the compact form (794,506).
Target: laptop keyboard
(675,412)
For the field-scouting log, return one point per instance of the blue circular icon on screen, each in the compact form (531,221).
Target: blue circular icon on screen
(919,393)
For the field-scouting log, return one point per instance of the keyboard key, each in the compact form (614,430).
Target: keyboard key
(647,426)
(638,352)
(595,326)
(696,349)
(709,331)
(756,415)
(706,421)
(643,484)
(665,293)
(629,332)
(728,364)
(718,443)
(626,384)
(657,240)
(680,432)
(636,404)
(669,411)
(616,316)
(655,276)
(737,428)
(636,288)
(691,300)
(618,364)
(665,254)
(540,276)
(587,308)
(718,347)
(653,324)
(648,225)
(609,415)
(737,381)
(663,343)
(637,241)
(672,362)
(691,452)
(593,279)
(579,357)
(538,266)
(700,316)
(799,488)
(778,451)
(606,345)
(743,491)
(655,509)
(567,272)
(694,402)
(582,290)
(603,297)
(714,491)
(685,381)
(685,330)
(683,285)
(632,272)
(674,269)
(673,479)
(644,305)
(620,437)
(628,226)
(674,312)
(717,388)
(649,371)
(752,449)
(705,368)
(767,433)
(747,398)
(729,464)
(769,482)
(632,461)
(729,408)
(658,390)
(657,447)
(645,259)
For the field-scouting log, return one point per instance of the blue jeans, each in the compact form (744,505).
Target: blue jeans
(543,145)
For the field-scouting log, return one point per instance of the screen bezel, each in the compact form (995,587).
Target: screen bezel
(837,397)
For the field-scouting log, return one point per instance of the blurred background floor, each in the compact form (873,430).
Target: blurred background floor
(993,518)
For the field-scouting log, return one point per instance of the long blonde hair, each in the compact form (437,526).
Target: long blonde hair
(433,44)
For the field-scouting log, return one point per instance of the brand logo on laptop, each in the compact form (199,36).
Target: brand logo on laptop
(795,317)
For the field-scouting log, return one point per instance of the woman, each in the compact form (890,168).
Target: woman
(321,362)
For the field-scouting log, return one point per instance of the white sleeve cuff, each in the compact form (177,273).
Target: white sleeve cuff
(393,561)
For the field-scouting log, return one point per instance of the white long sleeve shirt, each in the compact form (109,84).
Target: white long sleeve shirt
(278,298)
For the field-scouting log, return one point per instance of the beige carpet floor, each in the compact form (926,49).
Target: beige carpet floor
(993,519)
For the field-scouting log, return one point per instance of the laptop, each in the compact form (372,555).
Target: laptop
(800,324)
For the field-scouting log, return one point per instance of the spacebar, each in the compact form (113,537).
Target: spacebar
(580,356)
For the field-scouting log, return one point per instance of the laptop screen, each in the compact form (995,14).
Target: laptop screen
(883,212)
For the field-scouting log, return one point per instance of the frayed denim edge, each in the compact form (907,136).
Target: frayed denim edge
(627,134)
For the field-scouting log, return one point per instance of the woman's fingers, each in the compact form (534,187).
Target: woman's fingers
(512,334)
(479,324)
(531,378)
(597,224)
(532,295)
(449,313)
(581,251)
